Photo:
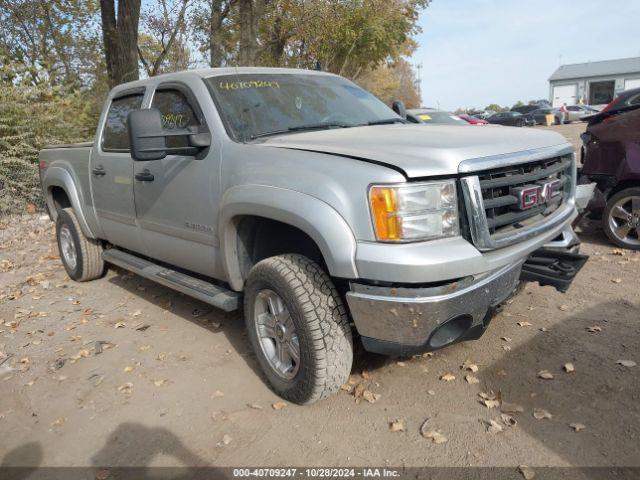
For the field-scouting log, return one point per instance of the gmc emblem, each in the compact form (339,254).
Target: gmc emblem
(530,196)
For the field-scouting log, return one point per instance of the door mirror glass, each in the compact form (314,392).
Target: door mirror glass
(146,135)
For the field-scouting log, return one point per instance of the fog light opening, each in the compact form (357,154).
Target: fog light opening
(451,331)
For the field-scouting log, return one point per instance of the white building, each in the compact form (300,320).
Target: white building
(593,83)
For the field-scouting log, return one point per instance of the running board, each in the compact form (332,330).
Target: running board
(219,297)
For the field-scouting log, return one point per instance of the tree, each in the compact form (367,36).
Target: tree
(54,42)
(162,46)
(393,81)
(494,107)
(120,38)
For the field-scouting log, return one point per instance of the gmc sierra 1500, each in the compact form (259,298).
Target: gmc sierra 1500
(319,207)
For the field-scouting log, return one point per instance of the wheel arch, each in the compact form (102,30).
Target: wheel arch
(61,192)
(251,213)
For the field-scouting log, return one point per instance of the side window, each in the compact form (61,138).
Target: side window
(177,113)
(635,100)
(115,136)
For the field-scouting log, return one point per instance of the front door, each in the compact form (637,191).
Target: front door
(176,197)
(111,171)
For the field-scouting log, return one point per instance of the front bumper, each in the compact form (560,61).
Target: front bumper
(409,320)
(406,321)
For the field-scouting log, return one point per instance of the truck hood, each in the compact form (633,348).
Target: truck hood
(419,150)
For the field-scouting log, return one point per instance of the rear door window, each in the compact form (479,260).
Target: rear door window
(115,136)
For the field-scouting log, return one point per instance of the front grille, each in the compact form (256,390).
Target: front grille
(500,198)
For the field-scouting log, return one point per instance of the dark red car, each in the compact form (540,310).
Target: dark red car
(473,120)
(611,159)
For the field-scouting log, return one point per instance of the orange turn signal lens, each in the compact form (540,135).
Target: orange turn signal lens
(384,206)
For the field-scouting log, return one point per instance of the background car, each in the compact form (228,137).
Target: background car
(472,119)
(611,159)
(440,117)
(539,116)
(513,119)
(577,112)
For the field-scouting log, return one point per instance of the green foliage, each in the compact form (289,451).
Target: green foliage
(31,117)
(494,107)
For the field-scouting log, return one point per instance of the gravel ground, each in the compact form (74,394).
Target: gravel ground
(122,372)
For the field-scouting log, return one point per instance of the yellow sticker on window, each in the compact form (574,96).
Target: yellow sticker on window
(424,117)
(243,85)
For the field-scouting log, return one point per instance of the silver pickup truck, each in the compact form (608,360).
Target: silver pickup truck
(324,214)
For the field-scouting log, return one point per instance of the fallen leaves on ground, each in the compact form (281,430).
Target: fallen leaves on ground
(226,439)
(255,406)
(468,365)
(541,414)
(508,420)
(435,436)
(58,422)
(569,368)
(159,382)
(126,388)
(545,375)
(578,427)
(527,472)
(594,329)
(564,308)
(398,425)
(278,405)
(217,394)
(370,396)
(447,377)
(471,379)
(490,399)
(493,427)
(626,363)
(524,324)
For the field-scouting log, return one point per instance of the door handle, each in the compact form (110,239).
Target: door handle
(144,176)
(99,171)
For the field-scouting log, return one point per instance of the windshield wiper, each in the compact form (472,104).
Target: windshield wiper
(387,121)
(298,128)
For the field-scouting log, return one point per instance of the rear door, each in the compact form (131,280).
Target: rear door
(176,206)
(111,172)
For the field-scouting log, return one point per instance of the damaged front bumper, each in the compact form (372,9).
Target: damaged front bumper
(409,320)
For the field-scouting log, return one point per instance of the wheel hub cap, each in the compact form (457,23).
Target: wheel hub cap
(277,334)
(624,220)
(68,247)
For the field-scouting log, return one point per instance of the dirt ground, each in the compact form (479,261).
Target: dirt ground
(123,372)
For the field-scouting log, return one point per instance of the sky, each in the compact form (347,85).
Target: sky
(477,52)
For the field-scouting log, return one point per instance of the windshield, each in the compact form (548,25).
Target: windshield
(257,105)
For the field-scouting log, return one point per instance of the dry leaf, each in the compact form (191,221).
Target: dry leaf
(471,379)
(569,368)
(255,406)
(616,280)
(435,436)
(398,425)
(468,365)
(370,396)
(128,369)
(278,405)
(137,313)
(524,324)
(431,392)
(217,394)
(506,339)
(126,388)
(626,363)
(578,427)
(541,413)
(401,364)
(365,374)
(594,329)
(494,427)
(58,422)
(120,325)
(226,439)
(545,375)
(508,420)
(526,472)
(564,308)
(448,377)
(159,382)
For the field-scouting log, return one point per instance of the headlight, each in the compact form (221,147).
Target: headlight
(407,213)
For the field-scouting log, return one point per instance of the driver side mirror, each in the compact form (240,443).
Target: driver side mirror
(399,108)
(148,137)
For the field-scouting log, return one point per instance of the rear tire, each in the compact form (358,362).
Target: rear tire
(621,218)
(81,256)
(291,304)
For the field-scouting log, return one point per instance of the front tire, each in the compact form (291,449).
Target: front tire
(298,328)
(621,218)
(81,256)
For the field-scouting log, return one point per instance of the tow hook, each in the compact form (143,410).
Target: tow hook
(554,268)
